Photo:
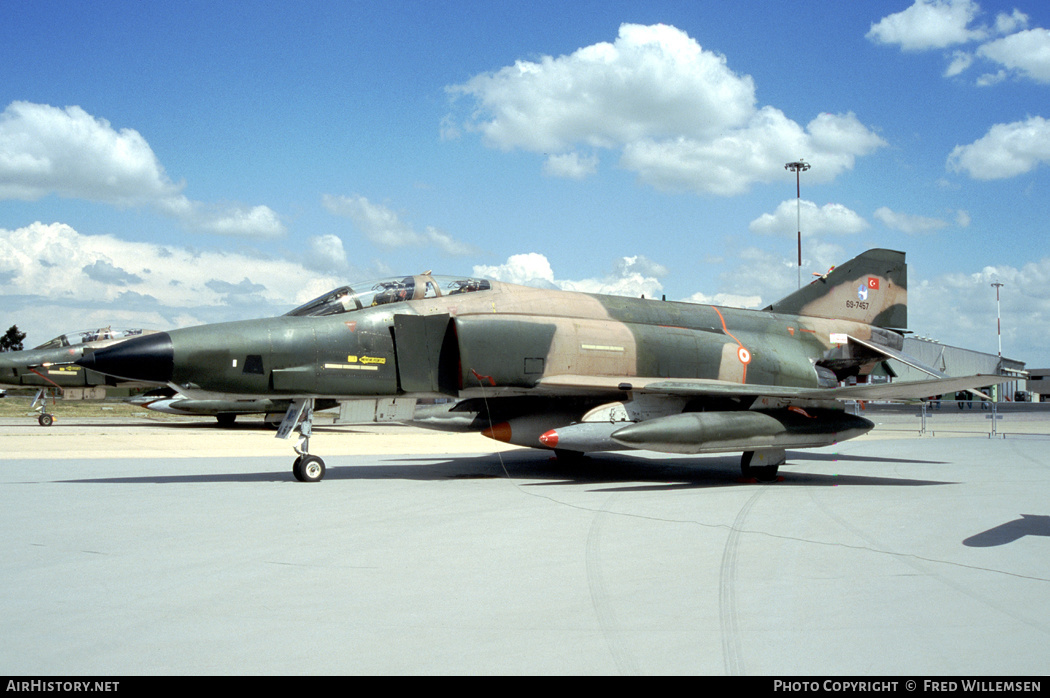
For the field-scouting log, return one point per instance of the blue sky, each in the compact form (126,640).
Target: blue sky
(163,166)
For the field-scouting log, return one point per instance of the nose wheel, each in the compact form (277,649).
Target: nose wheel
(45,418)
(305,468)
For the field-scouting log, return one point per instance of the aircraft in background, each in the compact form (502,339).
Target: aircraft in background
(50,368)
(570,372)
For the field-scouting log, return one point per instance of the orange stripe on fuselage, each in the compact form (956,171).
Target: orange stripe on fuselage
(739,343)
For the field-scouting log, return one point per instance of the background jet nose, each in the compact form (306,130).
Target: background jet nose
(147,358)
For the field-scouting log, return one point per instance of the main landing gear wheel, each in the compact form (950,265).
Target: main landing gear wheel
(308,469)
(762,465)
(45,419)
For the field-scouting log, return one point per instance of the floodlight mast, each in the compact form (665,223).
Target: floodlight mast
(998,322)
(798,167)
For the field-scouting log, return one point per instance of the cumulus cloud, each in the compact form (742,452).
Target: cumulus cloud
(68,152)
(908,223)
(723,299)
(729,164)
(1027,52)
(632,276)
(1007,150)
(652,82)
(326,253)
(961,60)
(1009,23)
(100,280)
(258,221)
(680,117)
(938,24)
(528,269)
(834,219)
(385,228)
(47,150)
(929,24)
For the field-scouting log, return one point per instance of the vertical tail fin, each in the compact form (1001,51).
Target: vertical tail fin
(870,288)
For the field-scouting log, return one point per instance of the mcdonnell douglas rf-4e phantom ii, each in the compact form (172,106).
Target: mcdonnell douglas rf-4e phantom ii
(571,372)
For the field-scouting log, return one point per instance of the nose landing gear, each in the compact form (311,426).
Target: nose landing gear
(305,468)
(45,418)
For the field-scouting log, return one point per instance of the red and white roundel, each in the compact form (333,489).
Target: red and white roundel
(744,355)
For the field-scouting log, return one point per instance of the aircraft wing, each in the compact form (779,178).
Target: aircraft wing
(683,387)
(697,387)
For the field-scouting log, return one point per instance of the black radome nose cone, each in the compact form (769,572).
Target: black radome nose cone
(149,358)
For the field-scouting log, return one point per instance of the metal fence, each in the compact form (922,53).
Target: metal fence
(944,417)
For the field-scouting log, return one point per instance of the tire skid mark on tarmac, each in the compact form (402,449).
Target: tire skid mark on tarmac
(731,642)
(612,633)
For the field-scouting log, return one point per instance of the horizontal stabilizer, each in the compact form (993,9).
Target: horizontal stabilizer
(911,390)
(914,363)
(899,356)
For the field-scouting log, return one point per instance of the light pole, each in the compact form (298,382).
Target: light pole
(998,321)
(798,167)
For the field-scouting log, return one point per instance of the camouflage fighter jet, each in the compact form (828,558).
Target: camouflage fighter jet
(570,372)
(51,367)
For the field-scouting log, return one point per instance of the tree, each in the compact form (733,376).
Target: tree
(12,339)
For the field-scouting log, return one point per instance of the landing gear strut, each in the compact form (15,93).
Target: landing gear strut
(45,418)
(762,465)
(305,468)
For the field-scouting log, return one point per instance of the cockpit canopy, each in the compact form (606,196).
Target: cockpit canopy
(383,291)
(84,336)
